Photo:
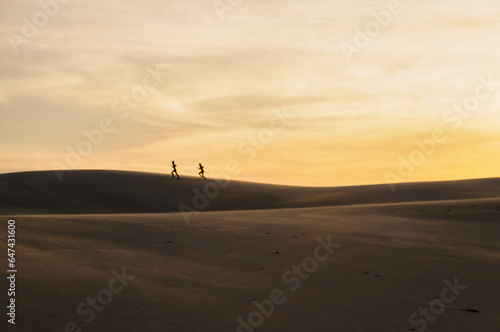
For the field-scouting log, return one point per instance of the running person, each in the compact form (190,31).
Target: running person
(202,172)
(175,170)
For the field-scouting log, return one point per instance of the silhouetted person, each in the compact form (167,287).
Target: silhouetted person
(175,170)
(202,172)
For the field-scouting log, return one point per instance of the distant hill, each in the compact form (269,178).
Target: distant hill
(101,191)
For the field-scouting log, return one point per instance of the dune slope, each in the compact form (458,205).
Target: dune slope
(393,259)
(97,192)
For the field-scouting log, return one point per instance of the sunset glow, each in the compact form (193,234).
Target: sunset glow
(318,93)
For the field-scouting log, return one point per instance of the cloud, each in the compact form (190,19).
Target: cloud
(227,76)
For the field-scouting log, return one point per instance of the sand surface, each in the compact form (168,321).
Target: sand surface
(101,191)
(393,259)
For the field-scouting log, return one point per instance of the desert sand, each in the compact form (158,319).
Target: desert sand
(394,253)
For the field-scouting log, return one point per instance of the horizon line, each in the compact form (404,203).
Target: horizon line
(249,181)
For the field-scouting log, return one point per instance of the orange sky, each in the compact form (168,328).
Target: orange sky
(290,91)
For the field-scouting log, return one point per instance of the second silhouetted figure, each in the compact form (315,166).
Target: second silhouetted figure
(202,172)
(175,170)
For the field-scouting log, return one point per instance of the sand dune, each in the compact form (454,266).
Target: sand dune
(94,192)
(393,259)
(397,251)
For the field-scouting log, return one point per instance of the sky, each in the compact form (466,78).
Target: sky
(315,93)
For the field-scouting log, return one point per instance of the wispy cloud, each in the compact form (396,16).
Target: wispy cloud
(225,79)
